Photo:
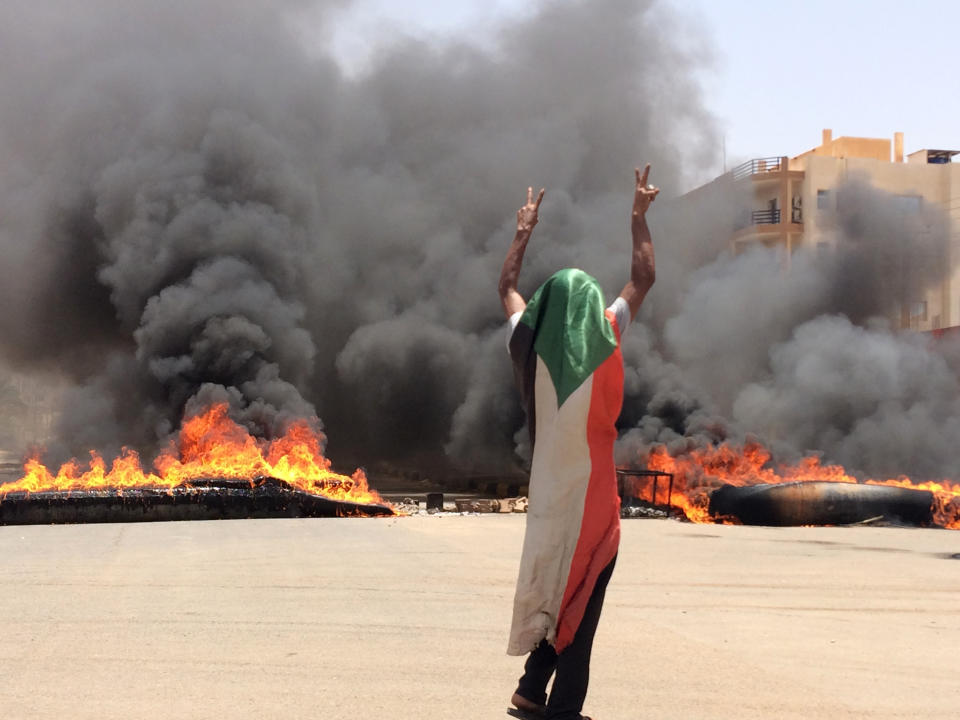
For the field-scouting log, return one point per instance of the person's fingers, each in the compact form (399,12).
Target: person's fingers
(529,195)
(540,197)
(646,174)
(636,171)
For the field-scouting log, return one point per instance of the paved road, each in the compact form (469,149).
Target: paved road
(407,618)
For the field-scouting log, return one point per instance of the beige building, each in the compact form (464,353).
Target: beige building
(791,204)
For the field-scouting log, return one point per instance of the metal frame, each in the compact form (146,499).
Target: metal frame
(655,474)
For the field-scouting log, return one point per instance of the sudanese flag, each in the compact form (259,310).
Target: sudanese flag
(567,363)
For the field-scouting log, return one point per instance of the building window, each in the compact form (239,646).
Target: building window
(823,199)
(918,311)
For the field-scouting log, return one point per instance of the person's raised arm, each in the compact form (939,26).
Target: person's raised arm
(642,265)
(526,220)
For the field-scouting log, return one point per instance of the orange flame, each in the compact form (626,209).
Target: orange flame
(698,472)
(210,445)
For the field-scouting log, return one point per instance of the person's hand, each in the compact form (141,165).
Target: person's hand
(644,193)
(527,215)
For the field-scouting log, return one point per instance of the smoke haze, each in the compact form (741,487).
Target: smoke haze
(805,360)
(198,205)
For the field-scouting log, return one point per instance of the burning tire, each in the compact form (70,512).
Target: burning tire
(821,503)
(205,499)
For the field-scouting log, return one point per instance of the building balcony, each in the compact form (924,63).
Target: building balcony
(769,217)
(759,166)
(758,217)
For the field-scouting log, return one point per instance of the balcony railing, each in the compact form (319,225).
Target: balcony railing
(759,217)
(756,167)
(765,217)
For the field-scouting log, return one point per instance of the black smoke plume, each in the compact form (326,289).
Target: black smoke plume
(198,203)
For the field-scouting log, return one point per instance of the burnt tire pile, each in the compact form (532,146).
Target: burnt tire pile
(201,499)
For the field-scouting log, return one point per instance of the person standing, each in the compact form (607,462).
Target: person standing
(565,348)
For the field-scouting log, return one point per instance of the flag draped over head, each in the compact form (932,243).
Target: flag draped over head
(571,334)
(568,366)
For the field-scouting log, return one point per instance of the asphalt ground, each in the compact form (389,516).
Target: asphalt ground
(408,617)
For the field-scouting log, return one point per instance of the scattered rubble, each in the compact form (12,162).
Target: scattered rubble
(460,506)
(643,511)
(485,505)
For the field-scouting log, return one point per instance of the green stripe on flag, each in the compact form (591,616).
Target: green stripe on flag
(571,334)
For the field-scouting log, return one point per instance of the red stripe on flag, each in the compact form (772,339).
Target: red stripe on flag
(600,528)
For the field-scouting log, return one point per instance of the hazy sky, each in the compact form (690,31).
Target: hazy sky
(781,72)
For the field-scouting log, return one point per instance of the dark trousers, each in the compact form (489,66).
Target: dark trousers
(572,666)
